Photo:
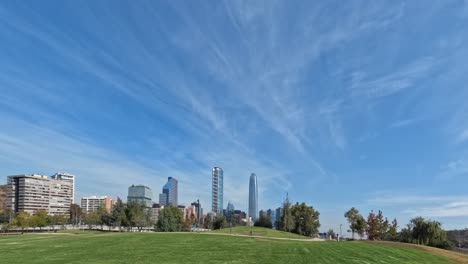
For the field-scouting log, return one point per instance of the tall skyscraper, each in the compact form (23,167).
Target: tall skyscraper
(253,197)
(30,193)
(217,191)
(169,193)
(66,177)
(140,194)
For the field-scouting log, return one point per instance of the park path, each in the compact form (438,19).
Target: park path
(265,237)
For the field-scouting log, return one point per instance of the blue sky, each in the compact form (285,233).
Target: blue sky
(338,103)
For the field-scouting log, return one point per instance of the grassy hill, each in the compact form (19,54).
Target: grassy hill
(144,248)
(258,231)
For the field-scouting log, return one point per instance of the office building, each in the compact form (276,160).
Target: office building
(92,203)
(199,211)
(155,212)
(169,193)
(3,194)
(217,191)
(30,193)
(230,207)
(272,214)
(278,213)
(140,194)
(66,177)
(253,197)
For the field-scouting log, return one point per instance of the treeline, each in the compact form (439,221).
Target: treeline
(418,231)
(41,219)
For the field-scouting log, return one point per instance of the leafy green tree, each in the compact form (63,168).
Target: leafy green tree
(137,215)
(75,214)
(264,221)
(92,219)
(60,220)
(331,233)
(208,223)
(220,222)
(22,220)
(170,219)
(40,219)
(422,232)
(360,226)
(306,219)
(286,222)
(393,231)
(352,215)
(118,214)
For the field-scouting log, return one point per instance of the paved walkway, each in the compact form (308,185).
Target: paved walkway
(265,237)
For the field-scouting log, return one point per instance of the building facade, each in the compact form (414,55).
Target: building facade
(92,203)
(140,194)
(217,191)
(155,212)
(278,214)
(253,197)
(169,193)
(199,211)
(66,177)
(30,193)
(3,197)
(272,214)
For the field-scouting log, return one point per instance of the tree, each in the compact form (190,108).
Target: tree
(361,226)
(208,223)
(137,215)
(119,218)
(393,231)
(331,233)
(60,220)
(372,226)
(352,216)
(75,214)
(306,219)
(422,232)
(22,220)
(92,219)
(170,219)
(286,222)
(219,222)
(264,221)
(40,219)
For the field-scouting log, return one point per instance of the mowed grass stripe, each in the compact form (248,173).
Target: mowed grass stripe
(197,248)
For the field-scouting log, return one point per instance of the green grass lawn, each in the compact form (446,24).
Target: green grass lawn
(258,231)
(195,248)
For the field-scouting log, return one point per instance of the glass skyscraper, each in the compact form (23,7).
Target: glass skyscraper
(169,193)
(140,194)
(217,191)
(253,197)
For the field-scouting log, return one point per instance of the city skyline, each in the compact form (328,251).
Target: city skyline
(340,104)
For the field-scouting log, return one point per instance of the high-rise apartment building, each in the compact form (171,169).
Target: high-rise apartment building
(30,193)
(253,197)
(66,177)
(92,203)
(140,194)
(217,191)
(169,193)
(3,195)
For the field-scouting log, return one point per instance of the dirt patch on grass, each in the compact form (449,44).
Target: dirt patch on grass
(452,255)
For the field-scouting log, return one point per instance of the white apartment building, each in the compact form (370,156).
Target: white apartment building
(30,193)
(92,203)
